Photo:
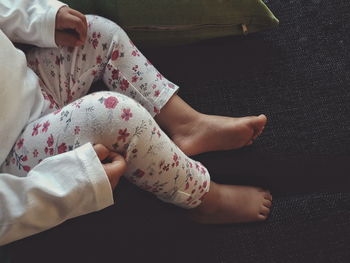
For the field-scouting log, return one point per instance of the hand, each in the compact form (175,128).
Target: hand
(71,27)
(113,163)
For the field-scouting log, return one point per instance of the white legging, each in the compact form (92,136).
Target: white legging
(121,119)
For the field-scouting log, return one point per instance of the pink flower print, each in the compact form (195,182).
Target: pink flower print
(126,115)
(35,153)
(76,130)
(134,79)
(62,148)
(48,150)
(94,72)
(50,140)
(166,167)
(115,55)
(205,184)
(155,109)
(115,74)
(98,60)
(123,134)
(187,186)
(161,163)
(45,126)
(52,101)
(124,85)
(203,171)
(26,168)
(156,93)
(176,160)
(20,143)
(154,86)
(24,158)
(95,43)
(135,53)
(57,111)
(36,129)
(111,102)
(170,85)
(138,173)
(160,76)
(58,61)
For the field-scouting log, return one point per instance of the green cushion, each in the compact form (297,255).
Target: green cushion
(4,255)
(173,22)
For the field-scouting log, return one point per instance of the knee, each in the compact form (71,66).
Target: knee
(119,106)
(100,28)
(113,118)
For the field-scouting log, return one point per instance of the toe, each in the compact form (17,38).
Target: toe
(267,203)
(268,196)
(259,125)
(264,211)
(250,142)
(262,217)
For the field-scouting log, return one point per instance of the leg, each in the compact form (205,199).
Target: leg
(110,55)
(154,162)
(196,133)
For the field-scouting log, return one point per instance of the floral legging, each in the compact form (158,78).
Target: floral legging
(121,118)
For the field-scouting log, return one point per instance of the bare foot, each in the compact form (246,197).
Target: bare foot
(215,133)
(225,204)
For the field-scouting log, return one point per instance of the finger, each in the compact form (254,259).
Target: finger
(101,151)
(115,157)
(78,14)
(83,19)
(75,23)
(66,39)
(115,170)
(116,164)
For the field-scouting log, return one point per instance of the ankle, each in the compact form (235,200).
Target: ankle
(176,115)
(210,200)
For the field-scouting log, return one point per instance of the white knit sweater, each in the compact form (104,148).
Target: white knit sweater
(60,187)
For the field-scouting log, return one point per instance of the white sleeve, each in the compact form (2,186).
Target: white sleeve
(60,187)
(30,21)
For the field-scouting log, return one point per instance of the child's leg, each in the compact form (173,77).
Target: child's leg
(154,162)
(109,54)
